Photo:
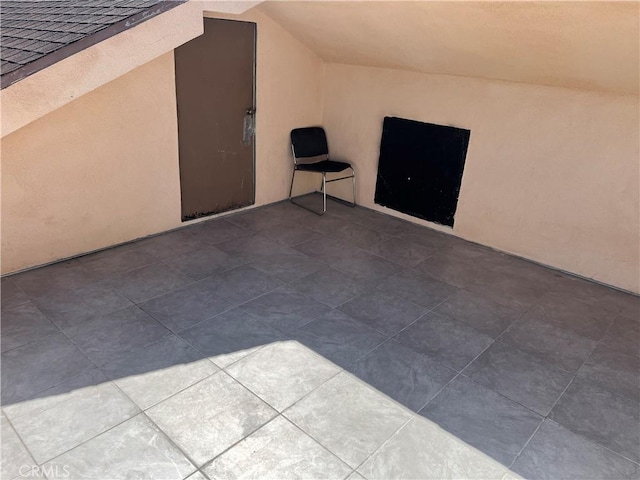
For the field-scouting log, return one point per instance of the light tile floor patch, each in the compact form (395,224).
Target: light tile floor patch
(282,373)
(423,450)
(348,417)
(133,449)
(278,451)
(207,418)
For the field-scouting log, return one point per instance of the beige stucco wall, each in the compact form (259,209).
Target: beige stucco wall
(100,170)
(592,45)
(103,169)
(552,174)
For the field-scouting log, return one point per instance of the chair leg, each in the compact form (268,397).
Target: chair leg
(293,177)
(324,201)
(353,179)
(324,192)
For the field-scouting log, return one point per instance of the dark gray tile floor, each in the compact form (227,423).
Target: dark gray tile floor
(531,368)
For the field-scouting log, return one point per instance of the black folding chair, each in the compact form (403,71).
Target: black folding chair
(311,154)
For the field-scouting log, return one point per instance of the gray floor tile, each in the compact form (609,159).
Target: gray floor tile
(360,235)
(257,218)
(385,223)
(591,293)
(399,372)
(148,282)
(133,449)
(629,305)
(278,451)
(169,245)
(449,342)
(327,223)
(68,308)
(521,377)
(10,295)
(331,287)
(472,251)
(427,237)
(23,324)
(478,416)
(216,231)
(623,336)
(70,414)
(241,284)
(456,270)
(368,267)
(39,365)
(288,233)
(382,311)
(14,458)
(106,338)
(557,346)
(154,373)
(328,249)
(572,315)
(483,314)
(185,307)
(117,260)
(230,336)
(288,211)
(288,244)
(611,420)
(520,289)
(520,268)
(282,373)
(401,251)
(614,371)
(418,289)
(349,418)
(555,452)
(203,262)
(66,275)
(355,476)
(288,267)
(422,450)
(285,309)
(338,337)
(220,413)
(251,249)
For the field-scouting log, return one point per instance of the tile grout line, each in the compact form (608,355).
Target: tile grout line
(20,439)
(234,444)
(379,448)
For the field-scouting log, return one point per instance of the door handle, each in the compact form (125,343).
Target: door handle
(248,126)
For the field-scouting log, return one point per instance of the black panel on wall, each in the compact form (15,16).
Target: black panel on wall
(420,168)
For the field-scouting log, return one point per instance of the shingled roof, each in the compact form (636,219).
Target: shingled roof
(35,34)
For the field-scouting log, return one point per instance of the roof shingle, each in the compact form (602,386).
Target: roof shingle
(37,33)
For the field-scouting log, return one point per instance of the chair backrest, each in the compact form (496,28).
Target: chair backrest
(309,143)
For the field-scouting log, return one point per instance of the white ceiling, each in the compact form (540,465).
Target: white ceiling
(589,45)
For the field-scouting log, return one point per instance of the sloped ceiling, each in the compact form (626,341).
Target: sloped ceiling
(588,45)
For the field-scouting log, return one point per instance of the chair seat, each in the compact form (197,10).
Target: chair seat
(323,166)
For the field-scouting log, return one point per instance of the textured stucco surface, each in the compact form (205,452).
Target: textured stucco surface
(552,174)
(82,178)
(587,45)
(103,169)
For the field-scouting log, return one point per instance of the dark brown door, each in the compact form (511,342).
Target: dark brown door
(215,95)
